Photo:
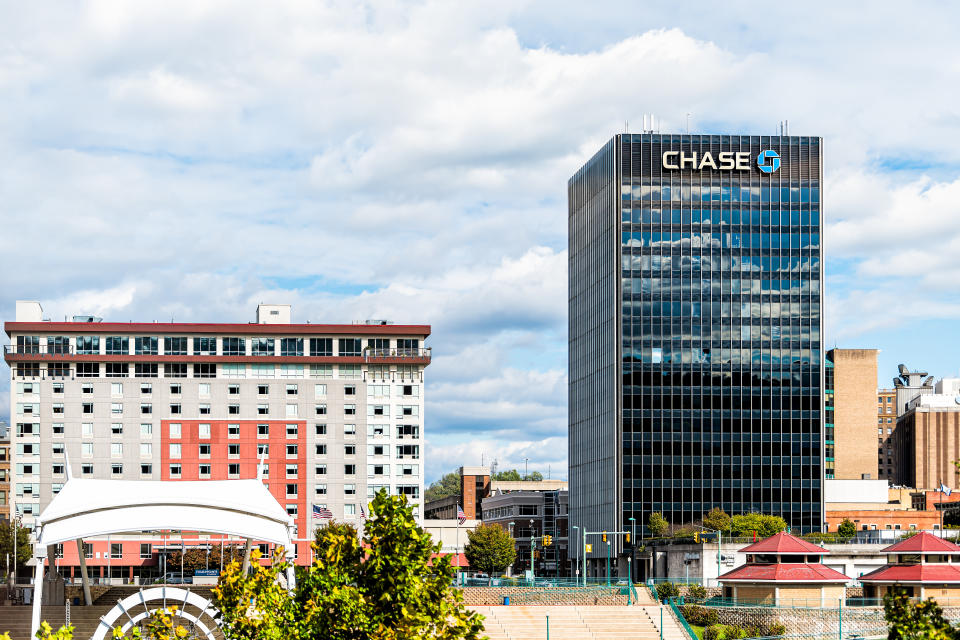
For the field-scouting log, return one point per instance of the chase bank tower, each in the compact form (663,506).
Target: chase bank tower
(695,372)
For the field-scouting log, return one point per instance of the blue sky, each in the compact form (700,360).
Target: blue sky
(188,159)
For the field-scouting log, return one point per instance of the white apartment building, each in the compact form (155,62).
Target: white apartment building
(336,411)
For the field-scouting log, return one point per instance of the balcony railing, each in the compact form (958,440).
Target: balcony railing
(370,353)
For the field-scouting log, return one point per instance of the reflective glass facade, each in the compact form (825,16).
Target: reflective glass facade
(695,330)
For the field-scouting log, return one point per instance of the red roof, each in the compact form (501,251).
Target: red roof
(784,543)
(464,564)
(148,328)
(930,573)
(923,542)
(784,572)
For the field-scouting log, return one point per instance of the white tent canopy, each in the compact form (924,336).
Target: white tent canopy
(85,507)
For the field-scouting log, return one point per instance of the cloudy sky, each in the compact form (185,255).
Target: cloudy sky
(188,159)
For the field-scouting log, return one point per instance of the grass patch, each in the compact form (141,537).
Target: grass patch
(698,630)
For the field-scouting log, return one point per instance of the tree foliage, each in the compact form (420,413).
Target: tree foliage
(847,529)
(915,621)
(717,519)
(24,548)
(490,548)
(448,485)
(657,525)
(196,558)
(744,526)
(387,588)
(512,475)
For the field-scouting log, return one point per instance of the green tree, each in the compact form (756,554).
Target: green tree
(745,525)
(159,626)
(847,529)
(657,525)
(514,476)
(196,558)
(24,548)
(448,485)
(920,621)
(490,549)
(389,587)
(717,519)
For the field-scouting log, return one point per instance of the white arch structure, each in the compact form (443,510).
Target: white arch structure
(167,596)
(85,508)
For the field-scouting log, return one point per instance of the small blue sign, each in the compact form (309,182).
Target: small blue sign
(774,159)
(206,573)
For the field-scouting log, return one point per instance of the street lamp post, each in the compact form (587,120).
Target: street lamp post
(608,563)
(633,544)
(533,540)
(576,562)
(511,525)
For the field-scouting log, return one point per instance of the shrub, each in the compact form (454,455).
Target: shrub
(697,591)
(667,590)
(700,616)
(776,629)
(719,632)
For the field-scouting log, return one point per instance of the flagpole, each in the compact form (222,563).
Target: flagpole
(941,508)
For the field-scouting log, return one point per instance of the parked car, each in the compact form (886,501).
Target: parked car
(175,577)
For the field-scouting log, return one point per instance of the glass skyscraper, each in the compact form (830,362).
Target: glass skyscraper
(695,364)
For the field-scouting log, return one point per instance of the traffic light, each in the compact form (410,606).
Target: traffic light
(589,548)
(628,537)
(547,541)
(696,536)
(604,536)
(536,554)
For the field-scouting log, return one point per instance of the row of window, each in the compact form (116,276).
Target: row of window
(206,409)
(213,370)
(23,429)
(212,346)
(203,389)
(646,261)
(292,472)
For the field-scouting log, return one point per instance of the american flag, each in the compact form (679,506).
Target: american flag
(461,516)
(322,512)
(363,514)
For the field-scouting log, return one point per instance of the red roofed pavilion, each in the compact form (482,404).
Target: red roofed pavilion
(922,565)
(784,568)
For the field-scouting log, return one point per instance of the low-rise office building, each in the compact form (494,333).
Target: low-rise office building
(849,414)
(529,516)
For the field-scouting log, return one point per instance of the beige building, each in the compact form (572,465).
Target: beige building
(851,392)
(927,438)
(886,423)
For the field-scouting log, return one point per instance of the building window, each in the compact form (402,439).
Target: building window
(175,370)
(175,470)
(262,347)
(146,551)
(320,470)
(349,429)
(145,345)
(176,389)
(320,489)
(321,449)
(175,408)
(204,409)
(88,370)
(349,449)
(146,469)
(233,470)
(320,429)
(205,370)
(350,469)
(233,451)
(320,409)
(349,346)
(88,345)
(146,449)
(204,450)
(118,345)
(176,429)
(233,409)
(349,489)
(204,470)
(292,431)
(291,490)
(233,431)
(263,409)
(175,346)
(349,409)
(86,469)
(291,346)
(321,371)
(321,347)
(234,347)
(204,346)
(116,469)
(175,449)
(117,370)
(263,430)
(146,370)
(292,451)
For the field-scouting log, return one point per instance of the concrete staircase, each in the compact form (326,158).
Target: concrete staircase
(641,622)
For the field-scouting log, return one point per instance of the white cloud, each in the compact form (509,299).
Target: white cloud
(188,159)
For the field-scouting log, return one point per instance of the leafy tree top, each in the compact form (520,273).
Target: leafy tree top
(490,548)
(448,485)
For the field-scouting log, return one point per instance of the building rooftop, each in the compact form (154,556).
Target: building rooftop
(923,542)
(924,573)
(784,543)
(783,572)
